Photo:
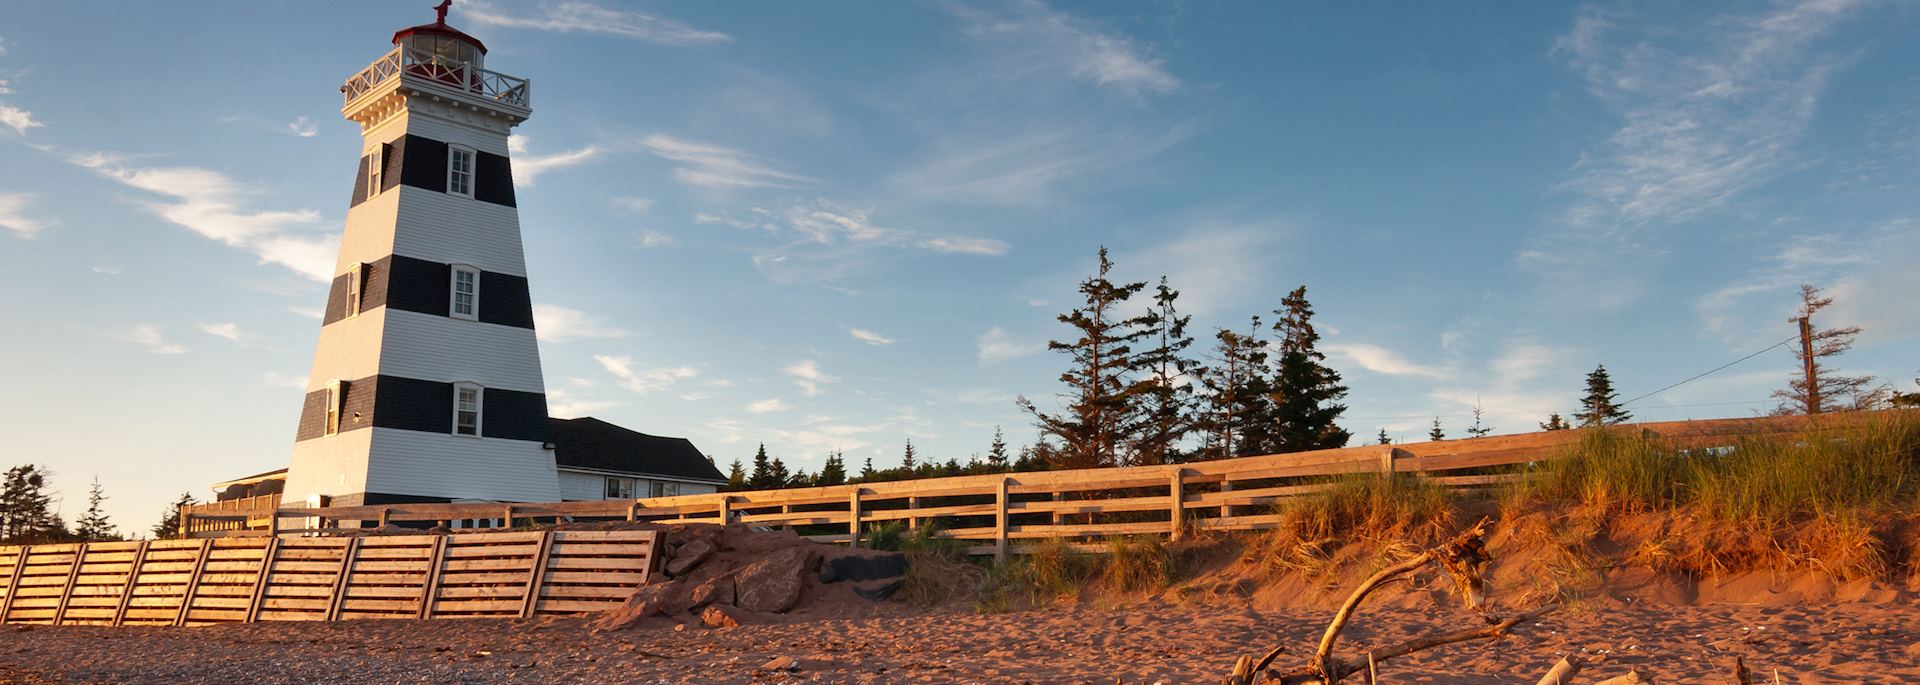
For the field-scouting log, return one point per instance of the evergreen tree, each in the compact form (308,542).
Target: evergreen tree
(1383,439)
(1555,423)
(1238,410)
(26,510)
(1479,429)
(169,526)
(778,476)
(93,526)
(835,470)
(1306,392)
(1436,434)
(736,477)
(1817,387)
(762,477)
(866,470)
(909,460)
(1167,399)
(1600,407)
(1098,419)
(997,452)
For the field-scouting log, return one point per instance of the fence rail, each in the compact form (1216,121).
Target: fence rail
(232,580)
(997,513)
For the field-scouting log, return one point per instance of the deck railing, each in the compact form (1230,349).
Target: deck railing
(999,513)
(441,71)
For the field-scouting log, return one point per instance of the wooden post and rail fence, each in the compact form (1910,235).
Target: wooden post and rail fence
(1001,513)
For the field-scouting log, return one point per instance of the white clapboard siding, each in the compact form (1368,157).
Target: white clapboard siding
(437,348)
(369,232)
(450,229)
(332,465)
(349,349)
(460,467)
(437,126)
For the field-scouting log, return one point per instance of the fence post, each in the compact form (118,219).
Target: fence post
(1000,519)
(186,522)
(133,575)
(260,582)
(385,513)
(1226,507)
(432,585)
(913,522)
(538,579)
(853,518)
(343,580)
(1386,463)
(66,594)
(13,586)
(1176,503)
(726,509)
(507,522)
(193,582)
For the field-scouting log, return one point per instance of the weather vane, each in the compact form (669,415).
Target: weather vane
(440,11)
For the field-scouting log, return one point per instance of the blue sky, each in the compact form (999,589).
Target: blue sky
(843,225)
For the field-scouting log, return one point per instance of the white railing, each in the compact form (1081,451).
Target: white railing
(446,72)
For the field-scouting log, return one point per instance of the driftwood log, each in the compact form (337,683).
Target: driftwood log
(1562,673)
(1464,557)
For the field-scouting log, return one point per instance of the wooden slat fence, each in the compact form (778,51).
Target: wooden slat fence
(235,580)
(1005,512)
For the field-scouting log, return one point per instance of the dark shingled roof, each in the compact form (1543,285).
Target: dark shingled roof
(589,443)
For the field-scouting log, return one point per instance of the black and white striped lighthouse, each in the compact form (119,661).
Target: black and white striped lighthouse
(426,382)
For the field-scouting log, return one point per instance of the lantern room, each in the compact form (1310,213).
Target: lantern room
(438,42)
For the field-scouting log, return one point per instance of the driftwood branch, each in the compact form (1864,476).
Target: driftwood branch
(1561,672)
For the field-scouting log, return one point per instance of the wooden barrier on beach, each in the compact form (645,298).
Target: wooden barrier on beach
(1003,513)
(245,579)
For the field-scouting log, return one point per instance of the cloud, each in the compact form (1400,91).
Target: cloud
(582,17)
(827,241)
(712,166)
(149,336)
(527,167)
(978,246)
(997,346)
(1032,37)
(649,239)
(643,381)
(4,84)
(303,127)
(1381,360)
(13,218)
(284,380)
(808,376)
(17,119)
(561,404)
(632,205)
(554,323)
(228,330)
(768,406)
(208,202)
(1214,265)
(1029,169)
(869,337)
(110,270)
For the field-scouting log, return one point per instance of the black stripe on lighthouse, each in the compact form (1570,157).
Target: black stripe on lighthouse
(418,285)
(422,163)
(425,406)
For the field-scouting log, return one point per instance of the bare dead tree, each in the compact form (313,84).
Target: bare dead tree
(1816,386)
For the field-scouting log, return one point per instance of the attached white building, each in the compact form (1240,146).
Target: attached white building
(426,383)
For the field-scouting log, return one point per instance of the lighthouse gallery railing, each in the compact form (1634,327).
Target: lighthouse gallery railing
(447,72)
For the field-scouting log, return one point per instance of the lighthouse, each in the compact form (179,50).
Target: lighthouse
(426,382)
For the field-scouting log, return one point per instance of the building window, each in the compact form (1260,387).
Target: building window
(663,488)
(336,404)
(460,171)
(375,162)
(467,398)
(356,285)
(466,292)
(619,488)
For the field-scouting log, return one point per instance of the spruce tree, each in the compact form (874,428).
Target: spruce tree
(736,477)
(909,460)
(835,470)
(1816,386)
(761,478)
(93,526)
(1167,400)
(1306,392)
(1479,429)
(1554,423)
(1238,408)
(866,470)
(997,452)
(1436,435)
(169,526)
(1097,421)
(26,510)
(778,476)
(1600,407)
(1383,439)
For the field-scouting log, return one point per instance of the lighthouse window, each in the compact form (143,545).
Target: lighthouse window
(356,282)
(460,171)
(466,292)
(374,164)
(336,400)
(466,409)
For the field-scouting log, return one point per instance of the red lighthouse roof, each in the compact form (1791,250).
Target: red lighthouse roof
(439,27)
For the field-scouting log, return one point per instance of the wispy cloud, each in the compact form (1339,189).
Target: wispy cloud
(1030,36)
(807,375)
(13,216)
(562,404)
(149,336)
(208,203)
(643,381)
(1381,360)
(960,245)
(228,330)
(17,119)
(554,323)
(582,17)
(649,239)
(636,206)
(996,346)
(528,167)
(284,380)
(303,127)
(109,270)
(992,168)
(869,337)
(713,166)
(768,406)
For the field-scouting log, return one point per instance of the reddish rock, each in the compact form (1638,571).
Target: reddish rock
(716,591)
(774,584)
(689,556)
(780,663)
(719,616)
